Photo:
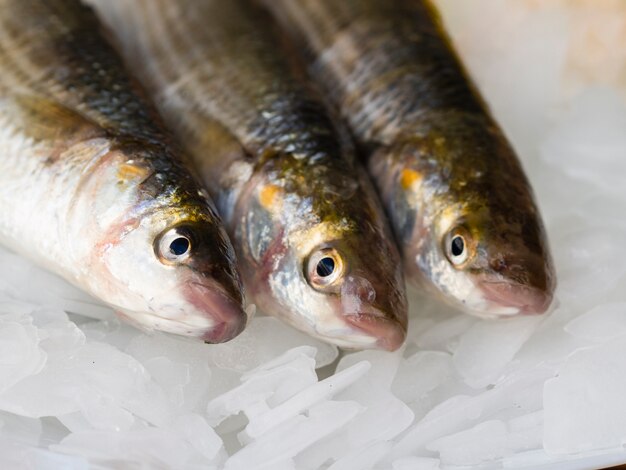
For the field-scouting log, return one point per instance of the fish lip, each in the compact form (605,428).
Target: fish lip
(144,321)
(529,300)
(228,314)
(389,333)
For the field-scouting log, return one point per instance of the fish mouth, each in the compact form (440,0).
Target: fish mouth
(227,314)
(519,298)
(389,333)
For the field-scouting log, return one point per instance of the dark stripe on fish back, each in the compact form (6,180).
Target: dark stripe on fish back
(393,64)
(51,51)
(91,79)
(251,93)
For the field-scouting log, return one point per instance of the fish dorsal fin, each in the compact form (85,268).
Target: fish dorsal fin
(45,120)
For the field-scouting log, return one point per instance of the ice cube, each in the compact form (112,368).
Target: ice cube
(528,429)
(52,430)
(291,437)
(443,336)
(380,422)
(363,459)
(150,447)
(584,404)
(426,379)
(171,376)
(443,419)
(42,459)
(324,452)
(95,369)
(416,463)
(20,353)
(59,337)
(271,383)
(600,324)
(382,369)
(103,412)
(486,442)
(520,391)
(20,429)
(303,400)
(263,339)
(113,332)
(202,437)
(384,416)
(179,365)
(17,455)
(586,262)
(422,373)
(42,287)
(488,346)
(550,344)
(74,422)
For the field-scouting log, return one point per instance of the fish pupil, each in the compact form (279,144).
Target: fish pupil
(325,267)
(458,245)
(179,246)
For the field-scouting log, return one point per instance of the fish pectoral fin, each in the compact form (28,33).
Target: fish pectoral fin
(46,120)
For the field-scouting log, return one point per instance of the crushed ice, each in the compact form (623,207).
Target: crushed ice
(80,389)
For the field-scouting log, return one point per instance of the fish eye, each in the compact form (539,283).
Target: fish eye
(174,245)
(324,268)
(179,246)
(457,246)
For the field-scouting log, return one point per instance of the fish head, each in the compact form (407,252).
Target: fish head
(476,237)
(167,262)
(498,263)
(180,278)
(333,271)
(353,275)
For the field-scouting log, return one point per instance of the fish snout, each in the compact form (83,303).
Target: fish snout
(389,333)
(523,282)
(381,317)
(227,314)
(528,300)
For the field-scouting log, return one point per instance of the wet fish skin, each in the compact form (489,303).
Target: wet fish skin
(91,186)
(442,165)
(284,179)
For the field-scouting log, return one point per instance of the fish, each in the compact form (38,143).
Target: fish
(92,186)
(461,207)
(313,244)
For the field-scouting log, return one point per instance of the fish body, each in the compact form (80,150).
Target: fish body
(311,238)
(91,186)
(460,205)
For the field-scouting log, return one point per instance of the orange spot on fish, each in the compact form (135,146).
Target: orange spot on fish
(270,196)
(409,177)
(128,172)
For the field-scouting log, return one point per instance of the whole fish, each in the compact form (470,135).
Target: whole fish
(461,207)
(310,235)
(92,188)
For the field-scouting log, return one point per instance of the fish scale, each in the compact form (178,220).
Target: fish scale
(263,111)
(90,181)
(461,207)
(90,78)
(285,180)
